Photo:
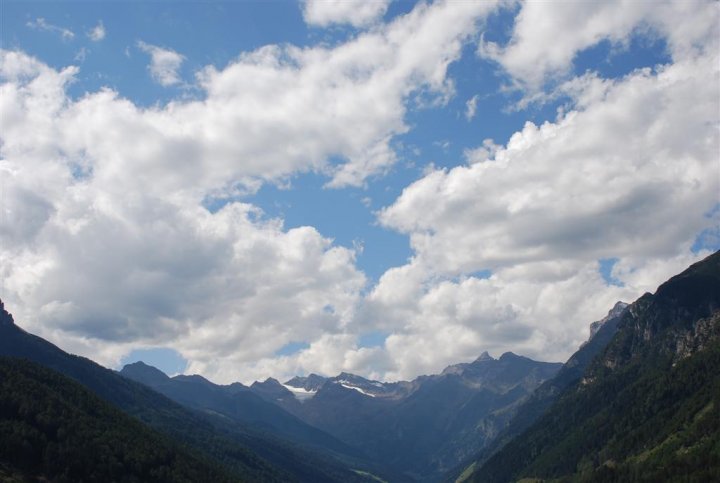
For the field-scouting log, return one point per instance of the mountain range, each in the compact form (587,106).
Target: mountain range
(639,401)
(418,429)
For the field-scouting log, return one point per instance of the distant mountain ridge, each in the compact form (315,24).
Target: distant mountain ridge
(237,402)
(421,427)
(427,417)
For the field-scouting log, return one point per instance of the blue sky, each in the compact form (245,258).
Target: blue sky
(341,236)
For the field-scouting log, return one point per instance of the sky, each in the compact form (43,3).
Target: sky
(247,189)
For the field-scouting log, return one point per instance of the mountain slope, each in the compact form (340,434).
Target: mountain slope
(54,428)
(138,400)
(236,402)
(234,445)
(647,408)
(548,392)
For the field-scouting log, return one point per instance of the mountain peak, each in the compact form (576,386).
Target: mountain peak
(193,378)
(5,317)
(618,307)
(270,382)
(309,383)
(614,312)
(350,377)
(510,355)
(484,357)
(145,373)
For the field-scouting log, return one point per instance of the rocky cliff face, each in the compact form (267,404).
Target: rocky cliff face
(616,311)
(680,319)
(5,317)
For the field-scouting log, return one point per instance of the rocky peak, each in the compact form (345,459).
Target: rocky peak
(484,357)
(313,382)
(617,310)
(508,356)
(681,318)
(5,317)
(269,382)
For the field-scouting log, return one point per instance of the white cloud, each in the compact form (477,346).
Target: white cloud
(541,310)
(588,186)
(471,107)
(93,260)
(545,40)
(482,153)
(358,13)
(81,55)
(622,174)
(42,24)
(106,246)
(164,64)
(97,33)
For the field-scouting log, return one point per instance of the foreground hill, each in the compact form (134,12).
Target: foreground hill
(647,408)
(53,428)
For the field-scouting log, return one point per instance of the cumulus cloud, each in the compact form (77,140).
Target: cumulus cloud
(92,257)
(545,41)
(164,63)
(107,246)
(358,13)
(623,173)
(42,24)
(97,33)
(590,185)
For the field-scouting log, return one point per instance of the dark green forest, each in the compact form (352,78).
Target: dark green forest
(248,453)
(647,408)
(53,428)
(650,424)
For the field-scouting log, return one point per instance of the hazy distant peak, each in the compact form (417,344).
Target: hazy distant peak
(510,356)
(313,382)
(484,357)
(145,373)
(192,378)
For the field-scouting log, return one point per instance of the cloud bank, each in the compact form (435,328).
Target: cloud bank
(107,244)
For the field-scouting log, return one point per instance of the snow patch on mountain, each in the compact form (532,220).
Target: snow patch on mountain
(300,393)
(347,385)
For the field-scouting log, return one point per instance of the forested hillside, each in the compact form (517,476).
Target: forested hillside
(647,409)
(53,428)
